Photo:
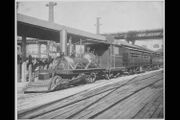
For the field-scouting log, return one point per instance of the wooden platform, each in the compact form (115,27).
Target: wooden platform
(139,97)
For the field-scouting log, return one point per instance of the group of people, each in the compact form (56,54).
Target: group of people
(37,63)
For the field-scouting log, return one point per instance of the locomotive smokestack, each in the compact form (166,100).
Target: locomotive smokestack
(51,10)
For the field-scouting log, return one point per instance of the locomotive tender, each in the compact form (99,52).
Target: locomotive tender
(100,59)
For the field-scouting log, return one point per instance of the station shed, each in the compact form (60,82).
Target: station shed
(44,30)
(32,27)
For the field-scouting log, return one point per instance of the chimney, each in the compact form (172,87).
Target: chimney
(51,10)
(98,25)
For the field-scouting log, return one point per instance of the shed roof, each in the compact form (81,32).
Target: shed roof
(34,25)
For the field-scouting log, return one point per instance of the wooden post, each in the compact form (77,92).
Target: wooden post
(39,50)
(19,72)
(110,60)
(23,59)
(23,72)
(47,48)
(70,46)
(30,73)
(81,49)
(63,41)
(23,48)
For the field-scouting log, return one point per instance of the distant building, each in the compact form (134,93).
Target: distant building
(152,44)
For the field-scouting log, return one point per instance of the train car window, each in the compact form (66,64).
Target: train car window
(134,55)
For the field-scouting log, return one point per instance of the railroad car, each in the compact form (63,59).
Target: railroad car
(156,60)
(99,59)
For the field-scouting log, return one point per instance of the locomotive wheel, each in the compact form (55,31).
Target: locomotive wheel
(91,78)
(56,80)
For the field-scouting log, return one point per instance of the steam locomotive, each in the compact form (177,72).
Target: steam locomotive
(99,59)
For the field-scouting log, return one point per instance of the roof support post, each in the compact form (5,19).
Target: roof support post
(47,48)
(23,48)
(111,55)
(70,45)
(39,50)
(63,41)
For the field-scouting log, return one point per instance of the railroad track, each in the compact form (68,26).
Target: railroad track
(109,101)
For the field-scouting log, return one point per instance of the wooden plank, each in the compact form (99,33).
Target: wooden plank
(161,114)
(153,107)
(122,92)
(25,105)
(157,112)
(60,104)
(124,105)
(119,107)
(133,109)
(150,111)
(107,102)
(78,97)
(103,104)
(75,98)
(156,76)
(71,109)
(143,112)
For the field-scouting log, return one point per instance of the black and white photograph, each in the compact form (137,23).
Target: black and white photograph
(89,59)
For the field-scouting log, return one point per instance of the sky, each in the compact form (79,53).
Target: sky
(115,16)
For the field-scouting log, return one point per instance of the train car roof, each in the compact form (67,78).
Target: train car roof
(109,40)
(122,44)
(134,47)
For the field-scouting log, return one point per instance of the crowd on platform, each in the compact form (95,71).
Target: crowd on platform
(34,64)
(41,63)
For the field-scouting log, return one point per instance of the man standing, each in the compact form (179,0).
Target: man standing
(29,61)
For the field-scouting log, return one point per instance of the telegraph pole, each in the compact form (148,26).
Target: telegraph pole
(51,10)
(98,25)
